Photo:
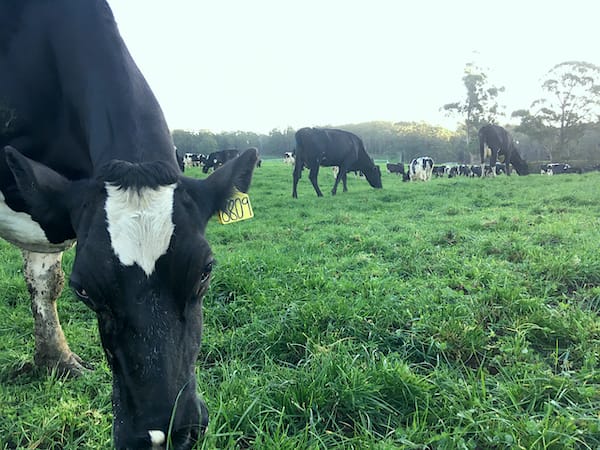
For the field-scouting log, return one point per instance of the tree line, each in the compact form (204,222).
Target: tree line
(562,126)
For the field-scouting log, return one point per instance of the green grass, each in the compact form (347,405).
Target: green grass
(455,314)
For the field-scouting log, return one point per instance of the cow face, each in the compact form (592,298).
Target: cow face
(142,265)
(373,176)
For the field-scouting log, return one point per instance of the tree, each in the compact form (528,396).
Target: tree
(572,104)
(480,106)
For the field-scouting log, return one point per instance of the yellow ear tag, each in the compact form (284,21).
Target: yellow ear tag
(237,208)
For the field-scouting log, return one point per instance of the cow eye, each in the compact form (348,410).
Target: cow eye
(206,272)
(82,295)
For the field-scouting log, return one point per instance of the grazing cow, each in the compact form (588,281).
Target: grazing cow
(87,156)
(494,141)
(217,159)
(558,169)
(439,171)
(327,147)
(464,170)
(476,171)
(420,169)
(194,159)
(288,158)
(398,169)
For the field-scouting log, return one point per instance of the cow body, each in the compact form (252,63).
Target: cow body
(421,169)
(397,168)
(217,159)
(328,147)
(558,169)
(86,156)
(495,141)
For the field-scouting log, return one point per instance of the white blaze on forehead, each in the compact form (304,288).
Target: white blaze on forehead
(140,223)
(20,229)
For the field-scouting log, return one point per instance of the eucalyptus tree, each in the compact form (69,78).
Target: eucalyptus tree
(480,106)
(572,103)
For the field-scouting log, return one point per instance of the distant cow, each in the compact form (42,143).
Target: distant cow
(398,169)
(494,141)
(288,158)
(217,159)
(194,159)
(476,171)
(464,170)
(420,169)
(559,168)
(439,171)
(328,147)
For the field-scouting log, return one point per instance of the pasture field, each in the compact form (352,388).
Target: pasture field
(454,314)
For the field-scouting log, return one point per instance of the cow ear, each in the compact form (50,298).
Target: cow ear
(42,188)
(235,174)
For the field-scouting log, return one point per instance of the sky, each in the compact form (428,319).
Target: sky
(257,65)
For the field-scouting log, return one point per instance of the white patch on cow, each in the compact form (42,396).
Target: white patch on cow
(157,438)
(487,151)
(20,229)
(140,224)
(39,274)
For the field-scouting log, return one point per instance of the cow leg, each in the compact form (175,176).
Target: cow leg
(341,176)
(507,156)
(297,175)
(312,175)
(493,160)
(45,280)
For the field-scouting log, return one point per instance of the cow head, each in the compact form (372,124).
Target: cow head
(142,265)
(373,176)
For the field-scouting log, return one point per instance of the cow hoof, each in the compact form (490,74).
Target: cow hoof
(69,365)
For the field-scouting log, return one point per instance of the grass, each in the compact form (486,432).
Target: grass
(455,314)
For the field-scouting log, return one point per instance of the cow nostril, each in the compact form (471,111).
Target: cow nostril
(157,438)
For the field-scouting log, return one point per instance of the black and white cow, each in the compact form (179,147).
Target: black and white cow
(328,147)
(476,171)
(288,158)
(420,169)
(464,170)
(87,156)
(495,141)
(559,168)
(194,159)
(217,159)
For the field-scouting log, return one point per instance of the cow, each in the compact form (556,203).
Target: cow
(328,147)
(420,169)
(288,158)
(495,141)
(559,168)
(464,170)
(87,157)
(476,171)
(398,168)
(194,159)
(217,159)
(440,171)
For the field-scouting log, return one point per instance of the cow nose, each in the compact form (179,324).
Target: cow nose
(157,438)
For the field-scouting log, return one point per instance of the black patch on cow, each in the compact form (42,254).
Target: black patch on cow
(128,175)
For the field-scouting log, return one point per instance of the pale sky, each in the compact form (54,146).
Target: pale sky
(255,65)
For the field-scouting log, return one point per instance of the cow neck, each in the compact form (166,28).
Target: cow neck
(120,117)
